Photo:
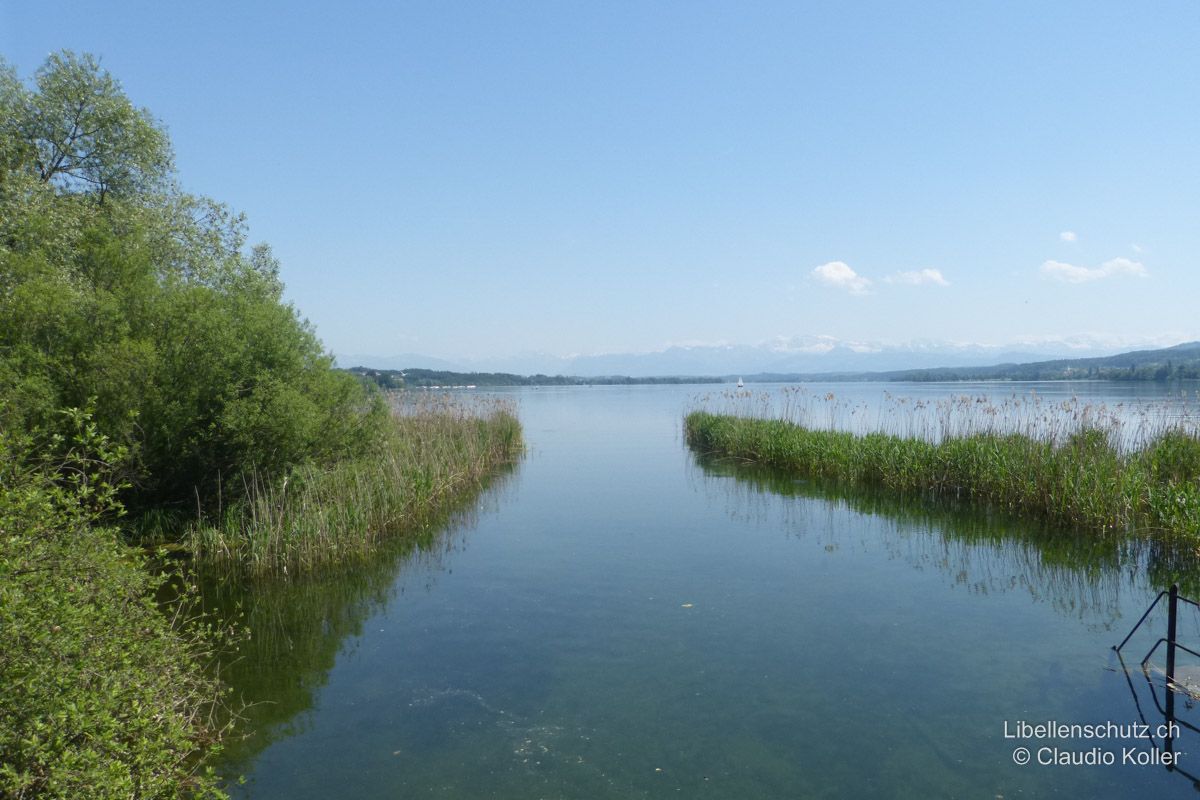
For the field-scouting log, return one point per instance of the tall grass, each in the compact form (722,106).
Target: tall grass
(433,451)
(1071,464)
(1127,425)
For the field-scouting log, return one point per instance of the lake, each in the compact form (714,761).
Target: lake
(618,617)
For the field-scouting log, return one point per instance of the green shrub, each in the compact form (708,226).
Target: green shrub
(103,695)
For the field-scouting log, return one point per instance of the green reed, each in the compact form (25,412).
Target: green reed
(1069,463)
(434,452)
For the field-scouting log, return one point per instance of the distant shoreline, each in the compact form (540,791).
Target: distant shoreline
(1178,363)
(442,379)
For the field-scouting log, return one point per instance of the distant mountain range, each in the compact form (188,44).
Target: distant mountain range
(807,355)
(1181,362)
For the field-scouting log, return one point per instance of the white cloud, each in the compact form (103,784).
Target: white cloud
(1118,266)
(840,275)
(1068,236)
(1069,273)
(1137,248)
(918,277)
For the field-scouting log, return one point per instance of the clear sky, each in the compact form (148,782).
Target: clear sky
(471,179)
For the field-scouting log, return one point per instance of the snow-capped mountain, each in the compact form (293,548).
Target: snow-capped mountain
(797,354)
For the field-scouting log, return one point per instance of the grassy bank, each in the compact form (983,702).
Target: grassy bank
(1082,478)
(300,623)
(433,450)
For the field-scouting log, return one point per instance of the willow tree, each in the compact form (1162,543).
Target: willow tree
(119,291)
(80,132)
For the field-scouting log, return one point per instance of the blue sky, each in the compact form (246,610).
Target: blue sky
(483,179)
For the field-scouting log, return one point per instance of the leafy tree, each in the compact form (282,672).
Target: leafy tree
(81,132)
(125,296)
(120,290)
(13,147)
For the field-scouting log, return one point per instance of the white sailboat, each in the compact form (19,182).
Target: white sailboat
(740,384)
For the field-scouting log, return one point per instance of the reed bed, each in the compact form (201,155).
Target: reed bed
(434,451)
(1069,463)
(1128,426)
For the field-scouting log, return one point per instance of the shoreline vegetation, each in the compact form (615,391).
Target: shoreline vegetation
(441,379)
(1070,464)
(301,621)
(1166,365)
(158,398)
(433,451)
(105,695)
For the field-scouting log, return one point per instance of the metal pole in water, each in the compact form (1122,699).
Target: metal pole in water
(1172,609)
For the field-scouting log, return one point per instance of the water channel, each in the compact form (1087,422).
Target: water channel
(620,617)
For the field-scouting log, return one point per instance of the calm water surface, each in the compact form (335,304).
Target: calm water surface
(621,618)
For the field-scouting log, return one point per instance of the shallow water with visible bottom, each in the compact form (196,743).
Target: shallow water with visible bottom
(620,617)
